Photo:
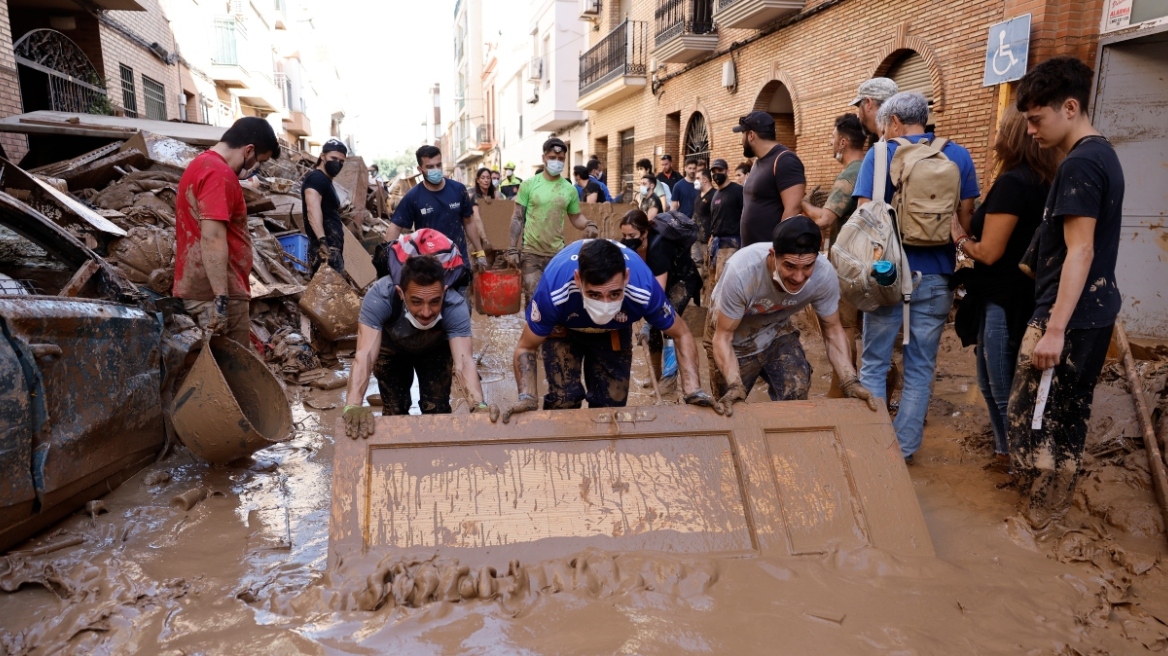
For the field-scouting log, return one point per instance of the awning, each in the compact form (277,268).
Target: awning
(110,127)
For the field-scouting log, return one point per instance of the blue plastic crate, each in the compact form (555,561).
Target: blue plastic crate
(297,247)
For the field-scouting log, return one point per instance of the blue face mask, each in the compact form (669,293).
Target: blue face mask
(555,167)
(434,176)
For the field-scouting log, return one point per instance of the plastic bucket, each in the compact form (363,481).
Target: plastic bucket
(230,405)
(498,292)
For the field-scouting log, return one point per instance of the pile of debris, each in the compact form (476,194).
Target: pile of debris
(119,200)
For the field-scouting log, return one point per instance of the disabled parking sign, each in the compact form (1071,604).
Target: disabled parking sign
(1006,52)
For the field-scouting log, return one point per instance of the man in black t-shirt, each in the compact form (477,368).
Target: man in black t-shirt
(701,216)
(725,219)
(668,175)
(1076,298)
(774,189)
(321,208)
(589,189)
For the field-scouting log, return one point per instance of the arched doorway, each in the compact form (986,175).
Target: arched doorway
(697,138)
(56,75)
(775,99)
(910,71)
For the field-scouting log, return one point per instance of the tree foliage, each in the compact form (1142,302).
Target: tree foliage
(391,166)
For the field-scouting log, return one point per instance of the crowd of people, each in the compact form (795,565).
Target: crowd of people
(1033,264)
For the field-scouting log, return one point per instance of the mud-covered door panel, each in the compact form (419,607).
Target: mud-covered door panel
(17,496)
(99,362)
(777,478)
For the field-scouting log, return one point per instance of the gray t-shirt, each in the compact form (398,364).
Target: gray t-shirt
(384,310)
(747,291)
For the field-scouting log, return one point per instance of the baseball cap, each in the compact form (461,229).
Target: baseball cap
(555,145)
(334,145)
(719,164)
(878,88)
(757,121)
(667,157)
(797,235)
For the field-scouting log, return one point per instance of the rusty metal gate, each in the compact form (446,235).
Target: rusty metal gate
(791,478)
(68,81)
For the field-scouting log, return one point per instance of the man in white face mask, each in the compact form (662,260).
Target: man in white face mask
(749,333)
(581,317)
(415,325)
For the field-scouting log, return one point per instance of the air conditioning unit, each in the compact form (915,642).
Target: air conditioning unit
(589,10)
(533,97)
(535,70)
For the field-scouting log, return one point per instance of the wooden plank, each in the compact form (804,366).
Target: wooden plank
(64,201)
(77,282)
(358,262)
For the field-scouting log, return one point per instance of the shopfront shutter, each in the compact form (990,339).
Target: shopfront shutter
(911,73)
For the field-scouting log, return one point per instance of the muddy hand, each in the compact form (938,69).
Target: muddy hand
(591,231)
(217,324)
(324,252)
(852,389)
(527,403)
(735,393)
(358,421)
(480,264)
(513,258)
(492,410)
(702,399)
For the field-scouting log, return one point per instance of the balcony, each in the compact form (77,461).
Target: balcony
(615,68)
(753,14)
(685,30)
(486,137)
(297,124)
(242,66)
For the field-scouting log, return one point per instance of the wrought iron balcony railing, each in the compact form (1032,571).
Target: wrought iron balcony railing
(678,17)
(622,52)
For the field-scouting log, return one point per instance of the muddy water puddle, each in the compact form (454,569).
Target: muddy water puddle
(243,570)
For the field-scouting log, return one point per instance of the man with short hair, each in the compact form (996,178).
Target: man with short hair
(749,332)
(702,218)
(742,172)
(213,248)
(1077,299)
(581,317)
(595,175)
(415,326)
(725,218)
(588,189)
(685,192)
(645,168)
(871,94)
(773,190)
(442,204)
(667,175)
(598,171)
(537,225)
(322,208)
(509,185)
(905,115)
(496,178)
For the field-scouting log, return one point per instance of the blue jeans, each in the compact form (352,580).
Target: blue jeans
(996,356)
(931,301)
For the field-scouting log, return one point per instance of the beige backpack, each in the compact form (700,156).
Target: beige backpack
(928,191)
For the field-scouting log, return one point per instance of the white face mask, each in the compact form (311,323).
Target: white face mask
(418,324)
(555,167)
(600,311)
(698,184)
(779,279)
(644,190)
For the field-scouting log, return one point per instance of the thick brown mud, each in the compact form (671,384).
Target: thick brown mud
(243,568)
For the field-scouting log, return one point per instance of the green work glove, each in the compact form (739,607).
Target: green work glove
(735,393)
(852,389)
(527,403)
(358,421)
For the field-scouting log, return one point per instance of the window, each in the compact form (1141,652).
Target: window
(627,157)
(154,93)
(129,99)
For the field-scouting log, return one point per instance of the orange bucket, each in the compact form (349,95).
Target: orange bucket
(498,292)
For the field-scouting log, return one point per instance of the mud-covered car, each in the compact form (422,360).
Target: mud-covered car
(82,369)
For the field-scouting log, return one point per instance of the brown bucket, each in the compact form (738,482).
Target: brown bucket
(230,405)
(331,304)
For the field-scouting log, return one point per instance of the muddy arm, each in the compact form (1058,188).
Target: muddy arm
(473,237)
(526,363)
(368,344)
(462,350)
(518,222)
(724,356)
(687,356)
(215,255)
(836,342)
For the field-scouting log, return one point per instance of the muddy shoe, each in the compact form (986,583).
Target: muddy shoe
(908,460)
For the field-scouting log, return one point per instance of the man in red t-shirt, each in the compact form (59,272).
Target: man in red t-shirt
(212,242)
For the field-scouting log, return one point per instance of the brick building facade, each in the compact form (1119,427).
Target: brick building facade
(805,69)
(15,145)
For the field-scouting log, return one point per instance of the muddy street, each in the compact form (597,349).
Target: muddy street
(243,570)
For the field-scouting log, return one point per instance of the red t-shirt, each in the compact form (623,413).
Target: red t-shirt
(209,189)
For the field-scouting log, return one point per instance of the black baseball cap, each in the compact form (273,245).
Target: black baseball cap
(756,121)
(719,164)
(667,157)
(334,144)
(797,235)
(555,145)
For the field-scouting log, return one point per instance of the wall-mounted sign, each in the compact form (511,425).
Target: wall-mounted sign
(1118,14)
(1006,51)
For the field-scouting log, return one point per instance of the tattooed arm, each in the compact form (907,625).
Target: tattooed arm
(526,368)
(518,222)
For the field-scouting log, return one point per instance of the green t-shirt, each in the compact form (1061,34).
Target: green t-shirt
(548,203)
(840,200)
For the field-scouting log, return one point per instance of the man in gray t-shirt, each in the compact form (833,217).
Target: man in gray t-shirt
(418,326)
(749,332)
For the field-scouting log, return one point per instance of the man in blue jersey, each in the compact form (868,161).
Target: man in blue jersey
(582,315)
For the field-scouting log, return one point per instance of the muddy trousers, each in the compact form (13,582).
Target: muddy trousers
(1048,460)
(782,364)
(531,267)
(395,375)
(238,317)
(603,361)
(679,298)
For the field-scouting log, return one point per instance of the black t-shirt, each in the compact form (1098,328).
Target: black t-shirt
(669,257)
(726,211)
(702,214)
(592,188)
(673,178)
(1089,183)
(1022,193)
(650,201)
(763,208)
(330,210)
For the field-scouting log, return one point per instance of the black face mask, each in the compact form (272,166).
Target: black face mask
(333,168)
(634,243)
(719,178)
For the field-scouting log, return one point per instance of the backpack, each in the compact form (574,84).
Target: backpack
(389,257)
(676,227)
(928,191)
(871,234)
